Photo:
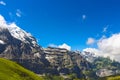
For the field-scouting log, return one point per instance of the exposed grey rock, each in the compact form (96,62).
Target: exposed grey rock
(42,61)
(66,62)
(106,72)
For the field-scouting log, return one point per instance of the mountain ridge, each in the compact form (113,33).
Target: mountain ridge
(21,47)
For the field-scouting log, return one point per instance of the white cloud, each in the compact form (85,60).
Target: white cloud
(90,41)
(93,50)
(18,13)
(2,3)
(111,45)
(108,47)
(65,46)
(83,16)
(52,45)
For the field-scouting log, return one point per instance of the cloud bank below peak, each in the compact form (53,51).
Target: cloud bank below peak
(107,47)
(64,45)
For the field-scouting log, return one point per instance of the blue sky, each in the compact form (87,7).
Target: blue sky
(64,21)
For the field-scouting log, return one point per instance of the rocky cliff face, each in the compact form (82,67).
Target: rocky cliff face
(15,43)
(27,52)
(66,62)
(21,47)
(13,48)
(106,72)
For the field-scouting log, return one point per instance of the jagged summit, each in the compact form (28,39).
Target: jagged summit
(15,42)
(17,32)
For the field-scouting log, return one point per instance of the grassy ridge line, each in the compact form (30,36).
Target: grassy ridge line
(12,71)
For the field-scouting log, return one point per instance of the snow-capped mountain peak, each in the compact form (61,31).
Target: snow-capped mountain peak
(17,32)
(2,22)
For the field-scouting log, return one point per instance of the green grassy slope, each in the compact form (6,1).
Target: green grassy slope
(115,77)
(11,71)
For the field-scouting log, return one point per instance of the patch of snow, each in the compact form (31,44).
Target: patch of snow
(37,55)
(16,31)
(49,57)
(34,43)
(2,42)
(21,34)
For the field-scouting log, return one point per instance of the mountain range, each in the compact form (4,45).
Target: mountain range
(19,46)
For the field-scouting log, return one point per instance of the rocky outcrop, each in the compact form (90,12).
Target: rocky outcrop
(14,48)
(66,62)
(107,72)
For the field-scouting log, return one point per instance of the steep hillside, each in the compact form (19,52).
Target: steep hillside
(19,46)
(11,71)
